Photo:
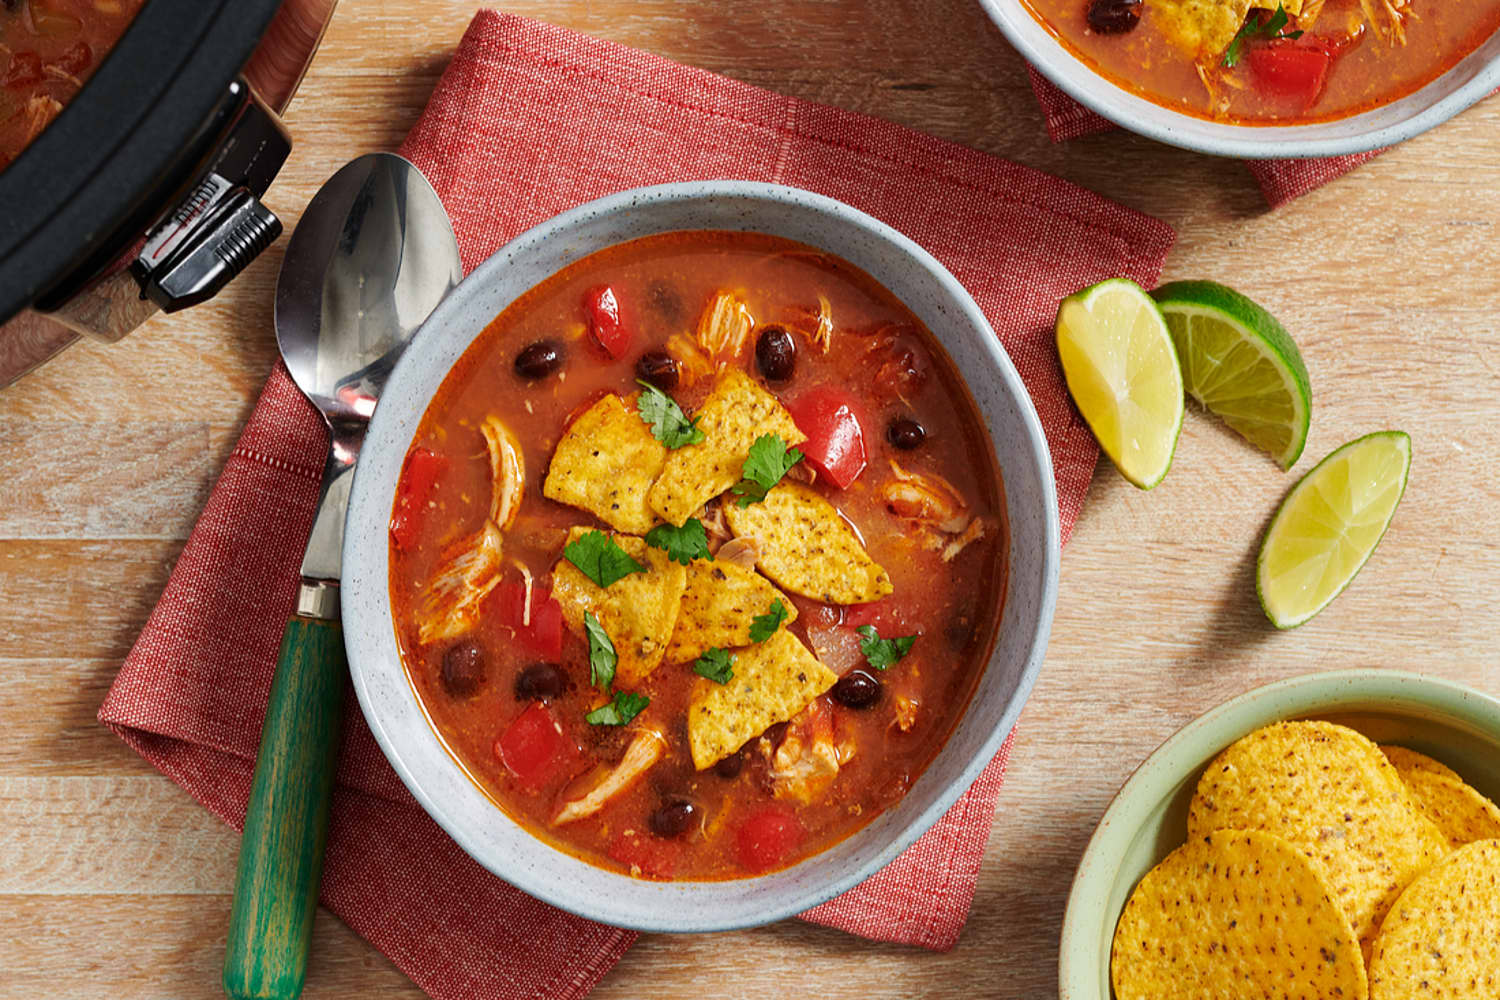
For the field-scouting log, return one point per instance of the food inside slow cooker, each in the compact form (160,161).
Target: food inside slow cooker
(48,50)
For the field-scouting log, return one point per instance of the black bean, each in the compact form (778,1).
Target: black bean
(540,359)
(539,682)
(1114,17)
(905,433)
(731,766)
(659,368)
(463,669)
(673,817)
(776,354)
(857,690)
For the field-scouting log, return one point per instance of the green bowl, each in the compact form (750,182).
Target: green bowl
(1148,818)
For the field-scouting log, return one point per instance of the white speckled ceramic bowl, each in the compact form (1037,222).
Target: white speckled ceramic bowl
(1475,76)
(1148,818)
(392,708)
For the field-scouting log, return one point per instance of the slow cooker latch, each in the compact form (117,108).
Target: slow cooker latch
(221,244)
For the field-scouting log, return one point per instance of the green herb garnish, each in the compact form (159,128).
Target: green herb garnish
(602,655)
(768,460)
(626,706)
(881,653)
(682,544)
(716,664)
(1255,28)
(762,627)
(598,557)
(669,424)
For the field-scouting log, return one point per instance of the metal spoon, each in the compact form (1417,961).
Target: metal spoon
(372,256)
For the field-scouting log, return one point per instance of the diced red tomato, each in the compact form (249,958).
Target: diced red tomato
(889,617)
(1290,68)
(76,60)
(655,857)
(835,442)
(534,749)
(423,468)
(543,636)
(605,320)
(768,838)
(25,69)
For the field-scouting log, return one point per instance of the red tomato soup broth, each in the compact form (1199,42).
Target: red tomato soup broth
(863,693)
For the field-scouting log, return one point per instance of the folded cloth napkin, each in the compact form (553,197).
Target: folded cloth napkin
(528,120)
(1280,180)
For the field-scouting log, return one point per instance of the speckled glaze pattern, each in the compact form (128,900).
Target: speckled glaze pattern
(1148,818)
(394,713)
(1475,76)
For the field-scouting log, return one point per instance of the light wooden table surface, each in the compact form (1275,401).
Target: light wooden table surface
(113,883)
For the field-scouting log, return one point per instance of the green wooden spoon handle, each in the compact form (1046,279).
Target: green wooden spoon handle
(286,825)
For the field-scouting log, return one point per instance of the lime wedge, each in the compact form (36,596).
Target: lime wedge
(1328,526)
(1122,371)
(1240,364)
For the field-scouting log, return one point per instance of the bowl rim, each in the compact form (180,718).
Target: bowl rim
(361,644)
(1108,99)
(1295,697)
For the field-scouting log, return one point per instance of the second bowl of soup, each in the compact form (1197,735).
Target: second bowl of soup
(689,580)
(1264,78)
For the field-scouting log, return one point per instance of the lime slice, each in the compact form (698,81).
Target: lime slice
(1240,364)
(1122,371)
(1329,525)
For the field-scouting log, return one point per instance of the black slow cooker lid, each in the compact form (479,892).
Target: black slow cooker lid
(102,164)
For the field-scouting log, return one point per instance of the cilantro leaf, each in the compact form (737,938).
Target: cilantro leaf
(626,706)
(1254,28)
(669,424)
(682,544)
(602,655)
(881,653)
(598,557)
(716,664)
(762,627)
(768,460)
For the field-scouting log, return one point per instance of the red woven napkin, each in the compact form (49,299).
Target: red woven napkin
(1280,180)
(528,120)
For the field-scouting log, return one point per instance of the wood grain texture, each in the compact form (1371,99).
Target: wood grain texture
(113,883)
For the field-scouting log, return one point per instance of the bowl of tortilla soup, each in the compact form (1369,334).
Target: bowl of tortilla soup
(1264,78)
(702,552)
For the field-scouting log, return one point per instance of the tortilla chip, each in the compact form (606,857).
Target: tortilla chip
(1331,793)
(735,413)
(1235,913)
(1463,814)
(605,464)
(638,612)
(773,681)
(1203,29)
(720,602)
(807,547)
(1406,761)
(1442,939)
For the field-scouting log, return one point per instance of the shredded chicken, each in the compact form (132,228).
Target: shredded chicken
(975,531)
(725,326)
(711,516)
(1387,18)
(644,751)
(507,472)
(906,711)
(526,597)
(692,363)
(925,497)
(743,552)
(809,758)
(817,326)
(471,568)
(468,572)
(38,114)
